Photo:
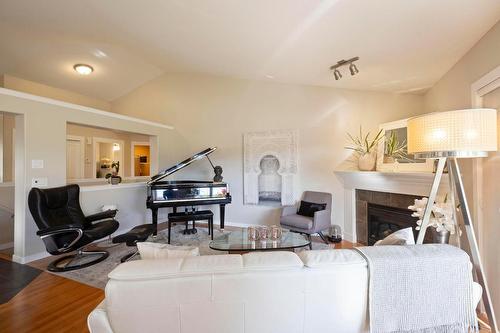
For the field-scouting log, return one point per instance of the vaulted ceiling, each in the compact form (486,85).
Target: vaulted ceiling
(403,45)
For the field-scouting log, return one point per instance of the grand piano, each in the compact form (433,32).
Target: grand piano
(186,193)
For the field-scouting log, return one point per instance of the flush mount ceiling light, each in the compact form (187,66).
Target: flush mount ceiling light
(352,67)
(83,69)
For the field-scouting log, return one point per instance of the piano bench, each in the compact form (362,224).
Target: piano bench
(194,216)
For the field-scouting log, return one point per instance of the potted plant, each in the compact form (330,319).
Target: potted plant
(113,177)
(365,149)
(394,150)
(441,218)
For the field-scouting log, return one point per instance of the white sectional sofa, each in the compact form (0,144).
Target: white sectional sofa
(272,292)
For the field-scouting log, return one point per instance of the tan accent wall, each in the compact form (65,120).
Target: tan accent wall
(491,210)
(39,89)
(453,92)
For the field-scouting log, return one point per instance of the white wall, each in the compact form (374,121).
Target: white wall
(216,111)
(41,134)
(130,200)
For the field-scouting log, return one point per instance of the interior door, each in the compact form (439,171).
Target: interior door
(74,159)
(491,211)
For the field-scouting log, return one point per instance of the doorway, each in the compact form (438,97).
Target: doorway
(7,188)
(140,159)
(75,162)
(108,157)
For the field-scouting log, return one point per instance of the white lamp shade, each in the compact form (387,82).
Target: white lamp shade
(466,133)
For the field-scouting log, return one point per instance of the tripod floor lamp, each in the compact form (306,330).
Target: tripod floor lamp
(447,136)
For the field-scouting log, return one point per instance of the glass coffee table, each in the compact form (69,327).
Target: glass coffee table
(237,242)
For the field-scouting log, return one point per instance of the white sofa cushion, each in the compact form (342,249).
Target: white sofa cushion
(278,260)
(230,263)
(196,265)
(146,269)
(331,258)
(149,250)
(177,267)
(400,237)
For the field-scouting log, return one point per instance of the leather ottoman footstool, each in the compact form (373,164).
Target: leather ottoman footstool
(137,234)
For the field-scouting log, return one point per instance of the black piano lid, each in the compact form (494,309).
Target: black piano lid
(180,165)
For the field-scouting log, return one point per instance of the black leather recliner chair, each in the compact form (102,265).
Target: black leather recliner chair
(63,227)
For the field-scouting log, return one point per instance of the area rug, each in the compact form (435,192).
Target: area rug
(97,275)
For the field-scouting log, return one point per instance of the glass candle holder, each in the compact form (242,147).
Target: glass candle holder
(275,232)
(263,233)
(253,233)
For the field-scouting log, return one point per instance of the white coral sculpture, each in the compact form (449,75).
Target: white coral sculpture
(441,214)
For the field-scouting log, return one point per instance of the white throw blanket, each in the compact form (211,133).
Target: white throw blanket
(420,288)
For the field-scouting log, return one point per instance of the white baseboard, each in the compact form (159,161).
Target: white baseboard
(30,258)
(6,245)
(349,237)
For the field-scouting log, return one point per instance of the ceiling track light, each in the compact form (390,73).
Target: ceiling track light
(337,75)
(352,67)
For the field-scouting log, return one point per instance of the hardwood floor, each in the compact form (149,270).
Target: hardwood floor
(50,304)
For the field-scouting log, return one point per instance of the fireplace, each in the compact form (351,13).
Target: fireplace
(384,220)
(379,214)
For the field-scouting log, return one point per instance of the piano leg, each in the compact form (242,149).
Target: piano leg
(154,212)
(222,216)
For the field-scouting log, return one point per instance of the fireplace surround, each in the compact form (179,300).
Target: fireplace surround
(404,186)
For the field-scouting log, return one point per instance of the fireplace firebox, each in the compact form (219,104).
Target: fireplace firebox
(384,220)
(378,214)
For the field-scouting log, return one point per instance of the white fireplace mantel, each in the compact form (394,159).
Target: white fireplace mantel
(414,183)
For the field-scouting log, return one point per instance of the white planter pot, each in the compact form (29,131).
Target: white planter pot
(367,162)
(389,159)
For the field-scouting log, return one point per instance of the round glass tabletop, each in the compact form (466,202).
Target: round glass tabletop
(238,241)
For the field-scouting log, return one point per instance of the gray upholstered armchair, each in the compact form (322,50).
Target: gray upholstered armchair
(305,224)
